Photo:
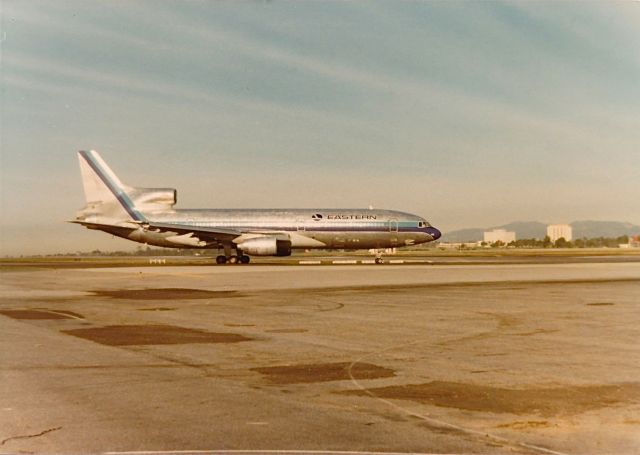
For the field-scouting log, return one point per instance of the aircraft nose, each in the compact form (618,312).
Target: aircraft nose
(433,232)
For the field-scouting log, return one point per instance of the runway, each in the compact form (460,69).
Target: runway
(482,358)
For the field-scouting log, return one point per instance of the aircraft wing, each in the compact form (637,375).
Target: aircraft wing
(209,235)
(183,233)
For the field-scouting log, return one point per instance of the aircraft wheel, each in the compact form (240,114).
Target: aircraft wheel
(379,261)
(244,259)
(221,259)
(233,259)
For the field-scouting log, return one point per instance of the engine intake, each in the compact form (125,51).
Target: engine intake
(266,246)
(154,198)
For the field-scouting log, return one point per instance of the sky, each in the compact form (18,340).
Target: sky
(471,114)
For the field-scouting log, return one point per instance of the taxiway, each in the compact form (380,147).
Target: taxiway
(518,358)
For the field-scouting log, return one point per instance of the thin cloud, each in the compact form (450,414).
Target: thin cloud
(451,110)
(138,85)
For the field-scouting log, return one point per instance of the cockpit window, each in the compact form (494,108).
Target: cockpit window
(423,224)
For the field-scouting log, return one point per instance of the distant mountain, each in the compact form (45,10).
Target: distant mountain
(523,230)
(537,230)
(526,229)
(591,229)
(463,235)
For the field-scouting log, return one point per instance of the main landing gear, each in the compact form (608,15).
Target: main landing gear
(233,259)
(228,258)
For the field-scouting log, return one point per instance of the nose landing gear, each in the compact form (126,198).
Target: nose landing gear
(378,253)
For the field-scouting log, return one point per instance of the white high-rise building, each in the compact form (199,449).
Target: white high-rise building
(499,235)
(556,231)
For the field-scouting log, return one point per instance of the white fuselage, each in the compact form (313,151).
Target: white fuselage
(147,215)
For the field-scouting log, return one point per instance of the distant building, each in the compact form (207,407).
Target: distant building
(556,231)
(500,235)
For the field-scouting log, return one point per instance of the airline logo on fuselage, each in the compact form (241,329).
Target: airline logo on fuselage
(319,216)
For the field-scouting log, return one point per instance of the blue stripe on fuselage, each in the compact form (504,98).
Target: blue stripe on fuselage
(242,227)
(120,195)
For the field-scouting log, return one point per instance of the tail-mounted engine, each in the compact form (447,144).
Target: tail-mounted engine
(153,199)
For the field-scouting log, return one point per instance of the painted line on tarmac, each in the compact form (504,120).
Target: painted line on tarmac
(60,313)
(63,314)
(293,452)
(366,261)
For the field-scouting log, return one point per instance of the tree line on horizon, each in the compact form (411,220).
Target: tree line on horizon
(596,242)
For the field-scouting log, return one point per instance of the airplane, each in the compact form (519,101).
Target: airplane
(147,215)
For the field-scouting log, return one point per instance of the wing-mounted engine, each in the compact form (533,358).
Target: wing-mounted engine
(266,246)
(153,199)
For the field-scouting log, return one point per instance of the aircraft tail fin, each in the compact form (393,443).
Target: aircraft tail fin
(102,187)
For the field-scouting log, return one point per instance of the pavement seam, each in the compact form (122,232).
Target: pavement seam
(438,422)
(28,436)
